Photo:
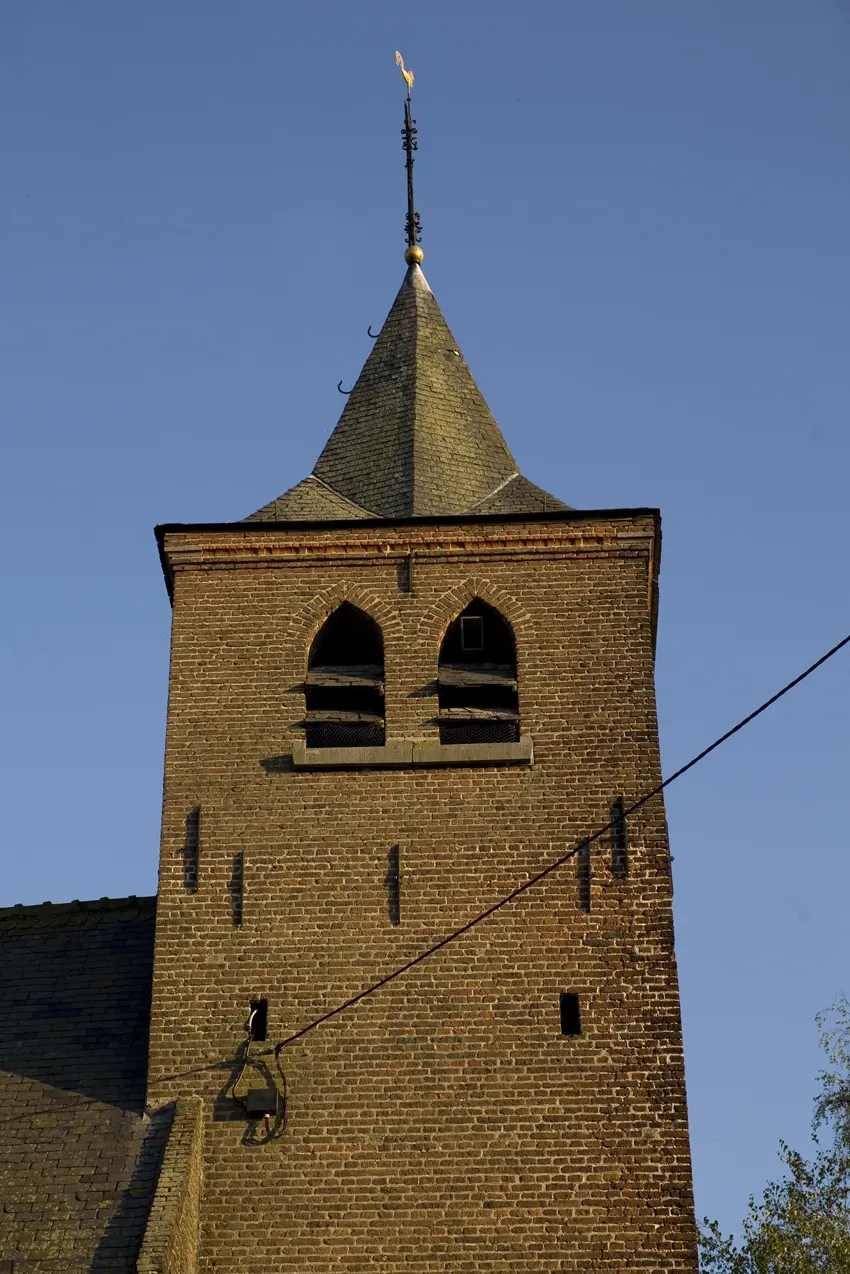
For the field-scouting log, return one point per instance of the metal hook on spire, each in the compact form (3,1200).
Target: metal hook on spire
(369,332)
(412,225)
(343,391)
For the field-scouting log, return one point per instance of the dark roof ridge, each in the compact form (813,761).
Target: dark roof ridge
(562,512)
(76,905)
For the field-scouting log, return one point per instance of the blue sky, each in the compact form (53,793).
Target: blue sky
(635,220)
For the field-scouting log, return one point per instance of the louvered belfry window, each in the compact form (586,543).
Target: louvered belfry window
(477,679)
(345,682)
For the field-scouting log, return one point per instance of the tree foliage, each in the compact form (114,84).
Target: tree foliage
(801,1224)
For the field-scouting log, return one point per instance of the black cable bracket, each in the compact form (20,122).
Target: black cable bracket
(272,1115)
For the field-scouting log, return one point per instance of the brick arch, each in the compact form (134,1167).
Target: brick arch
(437,618)
(304,626)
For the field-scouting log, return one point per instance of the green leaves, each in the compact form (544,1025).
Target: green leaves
(801,1225)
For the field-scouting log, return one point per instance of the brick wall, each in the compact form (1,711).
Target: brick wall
(443,1124)
(171,1237)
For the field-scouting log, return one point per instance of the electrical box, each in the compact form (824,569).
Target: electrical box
(261,1101)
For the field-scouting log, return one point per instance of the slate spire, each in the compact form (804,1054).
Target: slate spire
(416,438)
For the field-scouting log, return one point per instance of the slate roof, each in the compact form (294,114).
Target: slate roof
(78,1156)
(416,438)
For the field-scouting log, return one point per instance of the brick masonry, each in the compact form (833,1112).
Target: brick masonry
(170,1243)
(443,1124)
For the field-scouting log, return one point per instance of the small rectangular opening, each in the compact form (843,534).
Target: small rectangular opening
(404,575)
(570,1014)
(191,850)
(259,1019)
(393,885)
(236,886)
(583,877)
(619,839)
(471,632)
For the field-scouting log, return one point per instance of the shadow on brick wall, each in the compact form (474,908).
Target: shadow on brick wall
(119,1246)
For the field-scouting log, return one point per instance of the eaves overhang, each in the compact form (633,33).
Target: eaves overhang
(362,524)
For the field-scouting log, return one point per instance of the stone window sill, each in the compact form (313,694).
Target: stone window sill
(406,753)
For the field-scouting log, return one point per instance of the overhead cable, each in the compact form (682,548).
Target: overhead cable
(559,862)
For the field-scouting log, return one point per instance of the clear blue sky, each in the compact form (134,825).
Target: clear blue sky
(636,221)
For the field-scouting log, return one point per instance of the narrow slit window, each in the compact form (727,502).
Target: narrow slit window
(236,886)
(477,679)
(619,839)
(191,850)
(570,1014)
(404,575)
(259,1019)
(344,689)
(393,885)
(583,877)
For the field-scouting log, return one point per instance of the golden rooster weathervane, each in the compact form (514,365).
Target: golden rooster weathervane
(408,75)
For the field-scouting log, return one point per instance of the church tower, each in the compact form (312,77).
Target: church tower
(398,691)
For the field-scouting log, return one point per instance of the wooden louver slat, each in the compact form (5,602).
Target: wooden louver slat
(469,675)
(341,716)
(369,676)
(479,714)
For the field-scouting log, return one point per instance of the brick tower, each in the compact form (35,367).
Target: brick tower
(397,691)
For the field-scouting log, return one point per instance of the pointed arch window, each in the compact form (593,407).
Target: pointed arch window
(344,688)
(477,680)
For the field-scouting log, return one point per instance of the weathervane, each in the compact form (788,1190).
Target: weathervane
(412,225)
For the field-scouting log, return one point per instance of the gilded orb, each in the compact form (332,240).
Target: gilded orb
(414,255)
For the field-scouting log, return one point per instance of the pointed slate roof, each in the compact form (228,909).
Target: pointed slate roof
(416,437)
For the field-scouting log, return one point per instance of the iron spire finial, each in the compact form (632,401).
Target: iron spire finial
(412,225)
